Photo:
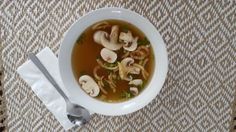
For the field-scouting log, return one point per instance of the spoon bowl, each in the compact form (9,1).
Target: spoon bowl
(77,114)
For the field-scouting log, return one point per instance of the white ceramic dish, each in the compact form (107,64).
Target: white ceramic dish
(79,96)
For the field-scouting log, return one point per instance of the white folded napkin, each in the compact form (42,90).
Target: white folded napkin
(43,88)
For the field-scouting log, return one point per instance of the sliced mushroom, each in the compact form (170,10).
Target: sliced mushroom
(89,85)
(123,72)
(98,35)
(127,62)
(126,37)
(130,42)
(133,90)
(134,70)
(136,82)
(126,67)
(108,55)
(131,46)
(109,42)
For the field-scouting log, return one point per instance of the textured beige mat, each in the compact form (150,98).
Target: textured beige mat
(198,93)
(2,100)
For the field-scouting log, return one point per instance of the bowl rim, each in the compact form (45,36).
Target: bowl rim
(100,107)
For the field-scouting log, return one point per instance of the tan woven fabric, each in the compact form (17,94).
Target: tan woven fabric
(201,43)
(2,100)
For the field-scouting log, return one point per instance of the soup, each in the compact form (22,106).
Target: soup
(113,61)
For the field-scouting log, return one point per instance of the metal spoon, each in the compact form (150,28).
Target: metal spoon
(76,114)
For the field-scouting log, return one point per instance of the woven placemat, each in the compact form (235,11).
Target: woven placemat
(197,96)
(2,99)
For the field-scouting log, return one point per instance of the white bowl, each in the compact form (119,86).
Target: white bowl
(149,93)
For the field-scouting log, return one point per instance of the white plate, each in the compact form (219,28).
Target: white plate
(149,93)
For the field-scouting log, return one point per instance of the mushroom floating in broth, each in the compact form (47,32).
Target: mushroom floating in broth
(89,85)
(108,41)
(116,59)
(136,82)
(129,42)
(108,55)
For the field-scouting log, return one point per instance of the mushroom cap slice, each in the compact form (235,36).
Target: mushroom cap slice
(126,37)
(136,82)
(123,73)
(126,67)
(130,43)
(111,42)
(131,46)
(114,33)
(98,35)
(89,85)
(134,70)
(133,90)
(108,55)
(127,61)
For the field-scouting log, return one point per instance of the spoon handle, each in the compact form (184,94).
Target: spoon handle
(45,72)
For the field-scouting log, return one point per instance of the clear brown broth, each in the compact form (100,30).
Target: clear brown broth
(86,51)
